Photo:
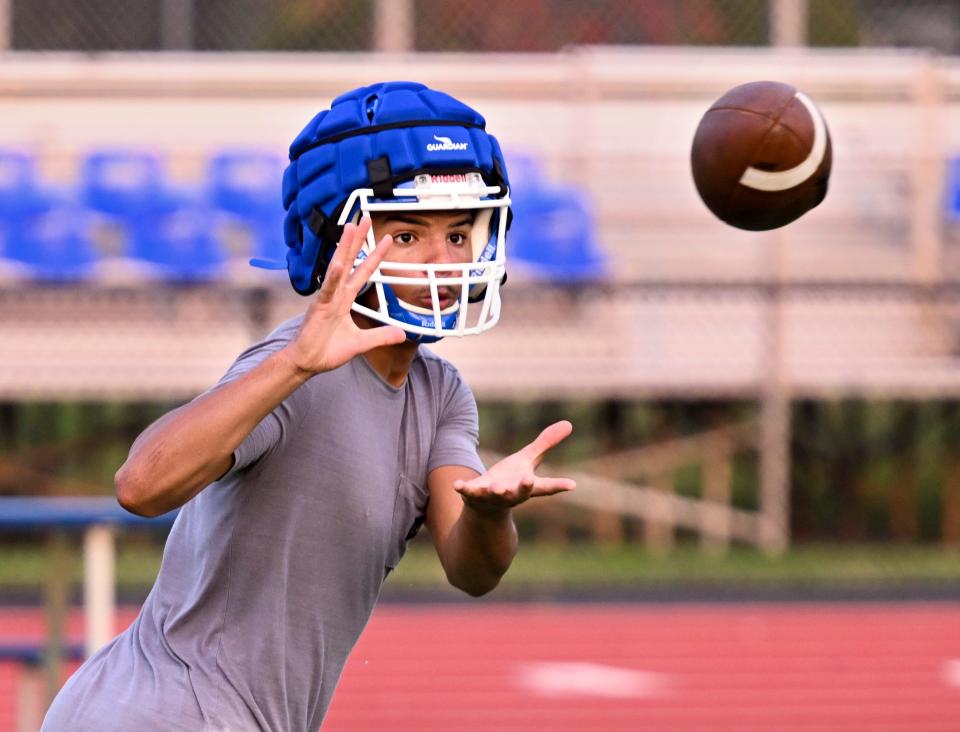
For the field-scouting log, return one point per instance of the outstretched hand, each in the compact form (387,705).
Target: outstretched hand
(329,337)
(512,480)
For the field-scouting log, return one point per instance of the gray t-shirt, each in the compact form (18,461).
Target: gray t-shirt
(270,574)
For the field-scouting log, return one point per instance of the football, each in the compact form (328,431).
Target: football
(761,156)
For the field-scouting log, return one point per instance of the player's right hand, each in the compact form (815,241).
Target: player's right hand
(329,337)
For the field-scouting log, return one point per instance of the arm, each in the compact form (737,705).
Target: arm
(192,446)
(470,515)
(189,448)
(475,548)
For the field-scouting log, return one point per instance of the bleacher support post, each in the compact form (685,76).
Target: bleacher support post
(98,586)
(6,24)
(717,482)
(789,21)
(774,438)
(393,26)
(57,591)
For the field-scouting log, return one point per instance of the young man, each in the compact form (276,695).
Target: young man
(305,471)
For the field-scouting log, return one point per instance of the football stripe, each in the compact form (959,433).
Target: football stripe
(765,180)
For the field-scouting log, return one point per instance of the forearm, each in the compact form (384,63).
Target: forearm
(481,548)
(189,448)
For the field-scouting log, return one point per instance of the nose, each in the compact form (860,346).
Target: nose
(440,251)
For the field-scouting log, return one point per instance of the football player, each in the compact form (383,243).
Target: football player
(303,473)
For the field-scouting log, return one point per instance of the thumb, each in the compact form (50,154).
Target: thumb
(550,437)
(383,335)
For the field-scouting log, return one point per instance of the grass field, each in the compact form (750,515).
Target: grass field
(543,569)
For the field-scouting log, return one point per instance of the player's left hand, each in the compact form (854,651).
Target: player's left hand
(512,480)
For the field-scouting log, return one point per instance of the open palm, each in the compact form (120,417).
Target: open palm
(329,337)
(513,480)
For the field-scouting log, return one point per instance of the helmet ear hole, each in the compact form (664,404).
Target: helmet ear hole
(372,102)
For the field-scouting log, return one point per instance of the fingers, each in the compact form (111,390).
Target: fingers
(473,487)
(337,269)
(348,249)
(529,486)
(370,263)
(547,439)
(331,281)
(351,240)
(347,239)
(352,246)
(341,265)
(384,335)
(551,486)
(494,495)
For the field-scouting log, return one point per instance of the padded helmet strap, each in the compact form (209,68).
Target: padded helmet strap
(381,176)
(327,231)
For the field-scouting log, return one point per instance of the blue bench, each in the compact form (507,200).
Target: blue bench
(34,653)
(72,513)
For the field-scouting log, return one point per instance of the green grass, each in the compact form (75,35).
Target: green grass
(629,565)
(540,568)
(28,565)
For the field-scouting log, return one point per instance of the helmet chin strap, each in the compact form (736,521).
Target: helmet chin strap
(402,313)
(390,295)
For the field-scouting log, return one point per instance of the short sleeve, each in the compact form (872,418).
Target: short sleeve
(458,431)
(268,433)
(263,437)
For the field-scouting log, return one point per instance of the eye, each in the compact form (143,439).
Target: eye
(404,238)
(458,238)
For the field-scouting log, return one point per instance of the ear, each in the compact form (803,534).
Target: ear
(480,233)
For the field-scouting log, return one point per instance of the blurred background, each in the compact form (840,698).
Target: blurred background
(766,424)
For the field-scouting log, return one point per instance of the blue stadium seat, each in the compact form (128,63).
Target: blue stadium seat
(553,236)
(167,231)
(178,244)
(21,192)
(245,185)
(952,189)
(52,244)
(45,236)
(526,170)
(125,183)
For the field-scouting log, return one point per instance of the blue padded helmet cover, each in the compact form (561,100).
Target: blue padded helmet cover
(415,128)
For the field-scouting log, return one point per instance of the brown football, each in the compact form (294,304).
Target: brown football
(761,156)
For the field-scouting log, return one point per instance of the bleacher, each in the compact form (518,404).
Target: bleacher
(656,294)
(122,219)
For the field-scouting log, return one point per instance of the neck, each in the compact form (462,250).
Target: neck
(391,362)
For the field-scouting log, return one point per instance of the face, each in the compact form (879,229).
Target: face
(426,237)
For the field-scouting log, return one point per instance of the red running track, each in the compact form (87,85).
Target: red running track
(683,668)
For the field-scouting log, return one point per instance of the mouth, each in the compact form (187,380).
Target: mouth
(447,299)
